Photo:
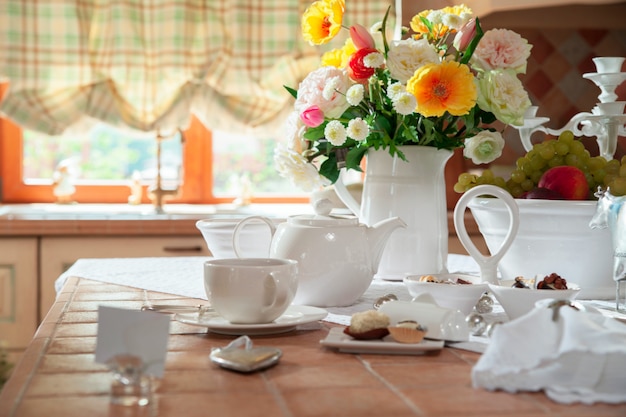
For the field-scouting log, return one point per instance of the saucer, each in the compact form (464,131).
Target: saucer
(344,343)
(291,318)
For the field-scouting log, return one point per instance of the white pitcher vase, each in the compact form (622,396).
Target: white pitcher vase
(415,191)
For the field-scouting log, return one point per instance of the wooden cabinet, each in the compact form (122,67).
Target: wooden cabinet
(59,253)
(30,265)
(18,292)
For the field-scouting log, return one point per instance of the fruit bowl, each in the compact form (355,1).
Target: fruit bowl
(461,297)
(553,236)
(518,301)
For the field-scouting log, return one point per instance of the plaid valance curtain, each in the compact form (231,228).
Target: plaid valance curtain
(149,64)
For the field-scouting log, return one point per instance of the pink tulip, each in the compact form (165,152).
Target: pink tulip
(312,116)
(361,37)
(465,35)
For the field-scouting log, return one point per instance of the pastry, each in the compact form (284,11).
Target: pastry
(407,331)
(370,324)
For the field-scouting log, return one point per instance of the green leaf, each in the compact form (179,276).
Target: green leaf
(467,55)
(293,92)
(315,133)
(354,157)
(329,168)
(384,32)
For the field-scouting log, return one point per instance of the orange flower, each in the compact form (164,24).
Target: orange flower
(322,21)
(438,88)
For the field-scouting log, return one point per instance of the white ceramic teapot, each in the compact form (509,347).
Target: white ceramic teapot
(337,256)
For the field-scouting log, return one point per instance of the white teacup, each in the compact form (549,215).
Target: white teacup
(250,290)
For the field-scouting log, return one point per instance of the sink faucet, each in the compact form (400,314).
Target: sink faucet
(157,193)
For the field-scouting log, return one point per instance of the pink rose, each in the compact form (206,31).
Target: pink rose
(361,37)
(312,116)
(311,92)
(501,49)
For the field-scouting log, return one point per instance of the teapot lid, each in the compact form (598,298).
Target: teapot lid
(318,220)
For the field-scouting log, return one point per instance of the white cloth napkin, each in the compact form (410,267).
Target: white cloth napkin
(581,357)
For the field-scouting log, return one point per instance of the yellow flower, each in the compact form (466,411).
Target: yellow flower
(339,57)
(438,88)
(322,21)
(438,18)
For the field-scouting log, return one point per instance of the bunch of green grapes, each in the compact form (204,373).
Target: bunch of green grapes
(565,150)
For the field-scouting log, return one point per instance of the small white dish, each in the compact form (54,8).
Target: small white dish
(442,323)
(337,339)
(449,295)
(291,318)
(517,302)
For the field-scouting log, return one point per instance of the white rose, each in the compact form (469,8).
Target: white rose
(408,55)
(503,94)
(294,132)
(303,174)
(483,148)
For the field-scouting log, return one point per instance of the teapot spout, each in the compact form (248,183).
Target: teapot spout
(378,235)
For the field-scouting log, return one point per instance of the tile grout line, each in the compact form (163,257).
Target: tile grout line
(391,387)
(280,400)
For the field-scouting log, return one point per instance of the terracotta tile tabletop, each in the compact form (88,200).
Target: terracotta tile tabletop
(59,377)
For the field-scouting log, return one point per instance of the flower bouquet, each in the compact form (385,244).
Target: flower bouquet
(442,85)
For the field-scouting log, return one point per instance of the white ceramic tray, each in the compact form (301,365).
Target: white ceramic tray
(337,339)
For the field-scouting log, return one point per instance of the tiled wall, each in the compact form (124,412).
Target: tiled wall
(554,81)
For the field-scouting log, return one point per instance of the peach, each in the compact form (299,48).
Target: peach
(566,180)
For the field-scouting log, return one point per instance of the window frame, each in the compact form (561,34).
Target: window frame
(195,188)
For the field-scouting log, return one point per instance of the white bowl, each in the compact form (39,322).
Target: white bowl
(461,297)
(254,240)
(518,301)
(553,236)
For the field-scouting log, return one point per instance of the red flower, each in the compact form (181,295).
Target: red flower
(357,69)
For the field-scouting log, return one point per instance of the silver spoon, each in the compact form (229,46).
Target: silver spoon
(382,300)
(173,309)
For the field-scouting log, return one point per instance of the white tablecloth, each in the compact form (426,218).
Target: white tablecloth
(183,276)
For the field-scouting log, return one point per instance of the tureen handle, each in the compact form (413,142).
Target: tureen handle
(488,264)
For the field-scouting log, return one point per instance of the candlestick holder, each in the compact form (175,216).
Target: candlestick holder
(605,121)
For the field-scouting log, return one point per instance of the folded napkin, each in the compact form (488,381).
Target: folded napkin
(573,355)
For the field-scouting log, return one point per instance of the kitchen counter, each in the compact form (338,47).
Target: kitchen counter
(124,219)
(59,377)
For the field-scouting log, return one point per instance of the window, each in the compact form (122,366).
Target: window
(212,167)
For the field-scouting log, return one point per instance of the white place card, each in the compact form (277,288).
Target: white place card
(131,332)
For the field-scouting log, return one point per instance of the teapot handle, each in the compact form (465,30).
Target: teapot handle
(488,264)
(240,226)
(345,196)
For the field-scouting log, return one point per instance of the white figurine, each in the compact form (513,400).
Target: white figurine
(135,189)
(63,181)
